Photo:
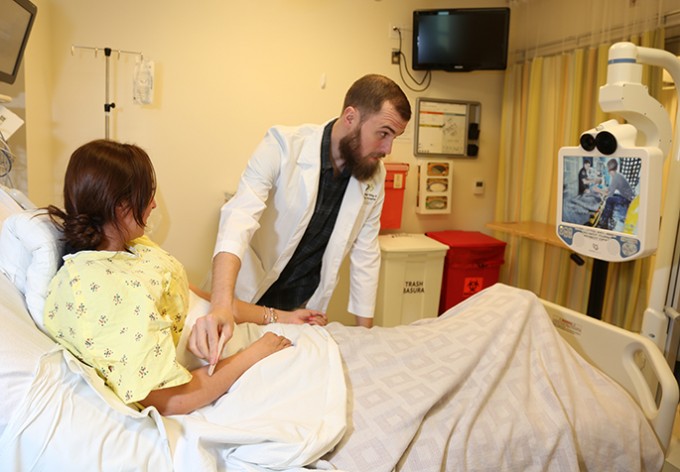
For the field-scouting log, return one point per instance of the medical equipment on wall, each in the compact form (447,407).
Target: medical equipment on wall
(142,84)
(142,81)
(434,186)
(609,194)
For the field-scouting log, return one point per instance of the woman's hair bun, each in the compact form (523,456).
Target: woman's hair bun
(82,232)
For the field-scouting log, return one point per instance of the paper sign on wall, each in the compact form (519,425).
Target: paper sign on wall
(9,122)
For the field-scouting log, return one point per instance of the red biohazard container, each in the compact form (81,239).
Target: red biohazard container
(395,183)
(472,263)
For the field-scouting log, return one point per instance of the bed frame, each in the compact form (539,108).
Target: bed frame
(632,360)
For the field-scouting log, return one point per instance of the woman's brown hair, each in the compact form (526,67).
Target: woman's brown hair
(101,176)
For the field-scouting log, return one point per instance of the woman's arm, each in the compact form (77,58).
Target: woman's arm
(250,313)
(203,389)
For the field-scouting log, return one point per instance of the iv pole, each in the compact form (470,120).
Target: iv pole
(108,106)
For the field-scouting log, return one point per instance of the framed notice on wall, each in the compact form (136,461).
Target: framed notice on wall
(446,128)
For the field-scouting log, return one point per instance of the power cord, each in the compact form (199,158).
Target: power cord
(6,161)
(402,60)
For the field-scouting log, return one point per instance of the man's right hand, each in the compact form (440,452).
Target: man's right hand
(205,335)
(206,332)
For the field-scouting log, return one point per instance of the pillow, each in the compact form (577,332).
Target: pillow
(30,254)
(20,350)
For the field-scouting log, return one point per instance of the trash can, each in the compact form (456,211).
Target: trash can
(472,263)
(410,281)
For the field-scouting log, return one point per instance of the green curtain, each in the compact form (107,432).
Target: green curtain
(547,103)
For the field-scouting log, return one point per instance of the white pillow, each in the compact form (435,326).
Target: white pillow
(30,254)
(20,350)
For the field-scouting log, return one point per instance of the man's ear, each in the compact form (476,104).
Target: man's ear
(350,116)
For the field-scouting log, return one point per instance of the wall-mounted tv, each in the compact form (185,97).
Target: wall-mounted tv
(461,39)
(16,20)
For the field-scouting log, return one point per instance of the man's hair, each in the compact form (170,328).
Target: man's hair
(612,164)
(370,92)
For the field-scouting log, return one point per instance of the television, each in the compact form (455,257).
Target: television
(461,39)
(16,21)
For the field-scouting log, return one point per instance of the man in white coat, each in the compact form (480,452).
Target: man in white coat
(309,196)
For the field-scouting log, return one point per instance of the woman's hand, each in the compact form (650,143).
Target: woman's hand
(301,316)
(203,389)
(269,344)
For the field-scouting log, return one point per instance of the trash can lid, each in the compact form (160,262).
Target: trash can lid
(465,239)
(408,242)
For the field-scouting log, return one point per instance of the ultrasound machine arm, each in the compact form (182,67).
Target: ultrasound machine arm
(646,138)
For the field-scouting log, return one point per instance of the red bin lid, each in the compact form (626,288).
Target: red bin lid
(456,239)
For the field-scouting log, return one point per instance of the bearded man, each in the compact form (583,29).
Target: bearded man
(309,196)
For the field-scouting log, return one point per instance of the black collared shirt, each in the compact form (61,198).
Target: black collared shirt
(301,276)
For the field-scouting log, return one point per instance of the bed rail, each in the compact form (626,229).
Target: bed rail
(617,352)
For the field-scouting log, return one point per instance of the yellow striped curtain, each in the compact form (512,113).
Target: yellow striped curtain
(547,103)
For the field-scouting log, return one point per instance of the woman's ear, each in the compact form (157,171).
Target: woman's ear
(122,209)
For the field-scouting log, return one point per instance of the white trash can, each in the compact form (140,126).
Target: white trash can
(410,278)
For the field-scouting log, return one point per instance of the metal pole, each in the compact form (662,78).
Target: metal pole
(107,106)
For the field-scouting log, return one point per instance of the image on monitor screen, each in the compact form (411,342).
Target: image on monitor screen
(602,192)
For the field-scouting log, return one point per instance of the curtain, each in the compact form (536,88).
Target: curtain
(547,103)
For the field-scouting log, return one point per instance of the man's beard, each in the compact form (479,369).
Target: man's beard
(361,167)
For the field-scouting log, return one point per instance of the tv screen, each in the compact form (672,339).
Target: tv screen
(16,20)
(461,39)
(608,205)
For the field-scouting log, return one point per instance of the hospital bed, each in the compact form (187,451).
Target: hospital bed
(490,385)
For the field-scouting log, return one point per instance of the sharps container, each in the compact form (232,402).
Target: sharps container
(473,262)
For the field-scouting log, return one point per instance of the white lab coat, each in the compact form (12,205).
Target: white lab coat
(264,221)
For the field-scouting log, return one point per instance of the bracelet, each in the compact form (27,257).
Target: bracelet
(269,315)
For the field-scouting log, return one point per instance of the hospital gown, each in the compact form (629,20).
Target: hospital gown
(122,313)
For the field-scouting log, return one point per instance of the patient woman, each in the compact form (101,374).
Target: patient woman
(119,301)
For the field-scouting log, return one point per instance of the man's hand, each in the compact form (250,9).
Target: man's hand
(363,321)
(219,322)
(206,333)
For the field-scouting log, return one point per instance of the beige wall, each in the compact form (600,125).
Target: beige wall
(225,72)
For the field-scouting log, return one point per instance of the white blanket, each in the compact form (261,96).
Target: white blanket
(283,413)
(490,386)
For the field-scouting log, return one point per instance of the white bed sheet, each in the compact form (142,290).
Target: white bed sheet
(491,386)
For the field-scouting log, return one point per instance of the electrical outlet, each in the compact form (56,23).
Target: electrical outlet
(478,188)
(396,56)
